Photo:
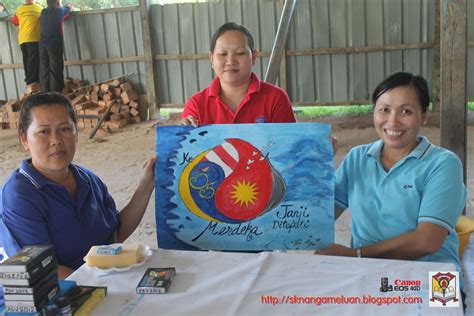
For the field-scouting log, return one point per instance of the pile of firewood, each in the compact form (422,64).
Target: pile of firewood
(116,99)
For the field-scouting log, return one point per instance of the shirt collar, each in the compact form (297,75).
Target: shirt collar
(376,148)
(38,180)
(215,86)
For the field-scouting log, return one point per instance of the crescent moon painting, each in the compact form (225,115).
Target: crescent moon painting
(244,187)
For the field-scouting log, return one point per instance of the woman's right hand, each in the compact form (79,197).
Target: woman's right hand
(190,120)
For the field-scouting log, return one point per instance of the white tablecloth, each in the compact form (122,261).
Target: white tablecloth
(223,283)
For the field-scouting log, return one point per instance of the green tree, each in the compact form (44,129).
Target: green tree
(11,5)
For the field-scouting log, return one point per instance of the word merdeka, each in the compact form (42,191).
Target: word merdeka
(242,229)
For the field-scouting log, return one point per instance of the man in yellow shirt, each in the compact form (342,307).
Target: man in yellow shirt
(27,19)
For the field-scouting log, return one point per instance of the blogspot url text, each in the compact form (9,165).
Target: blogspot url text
(331,300)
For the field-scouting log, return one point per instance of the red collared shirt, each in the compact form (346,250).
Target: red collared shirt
(263,103)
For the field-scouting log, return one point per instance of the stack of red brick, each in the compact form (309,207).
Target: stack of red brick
(90,102)
(10,110)
(9,114)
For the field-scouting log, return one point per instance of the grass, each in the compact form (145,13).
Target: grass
(310,112)
(167,112)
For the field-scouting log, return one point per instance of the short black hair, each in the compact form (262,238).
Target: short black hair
(43,99)
(399,79)
(232,26)
(51,3)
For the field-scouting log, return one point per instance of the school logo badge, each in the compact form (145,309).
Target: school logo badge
(444,289)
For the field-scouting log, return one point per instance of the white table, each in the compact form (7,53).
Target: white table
(223,283)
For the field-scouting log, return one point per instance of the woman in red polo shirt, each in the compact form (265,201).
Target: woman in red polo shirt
(236,95)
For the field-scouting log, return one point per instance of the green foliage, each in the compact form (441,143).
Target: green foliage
(95,4)
(11,5)
(78,4)
(102,4)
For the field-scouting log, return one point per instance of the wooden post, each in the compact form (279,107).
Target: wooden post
(149,62)
(436,58)
(453,77)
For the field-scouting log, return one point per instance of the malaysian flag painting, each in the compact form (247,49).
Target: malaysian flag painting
(244,187)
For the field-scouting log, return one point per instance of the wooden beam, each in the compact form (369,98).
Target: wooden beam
(453,127)
(11,66)
(101,61)
(196,56)
(152,96)
(355,50)
(86,62)
(101,120)
(294,103)
(294,52)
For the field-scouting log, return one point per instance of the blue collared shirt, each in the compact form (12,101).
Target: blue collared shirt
(40,212)
(425,186)
(51,25)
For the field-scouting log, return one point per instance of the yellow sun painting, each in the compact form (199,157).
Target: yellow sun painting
(245,193)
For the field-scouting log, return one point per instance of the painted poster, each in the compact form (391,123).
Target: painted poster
(244,187)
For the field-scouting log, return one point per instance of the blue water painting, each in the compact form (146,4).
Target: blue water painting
(244,187)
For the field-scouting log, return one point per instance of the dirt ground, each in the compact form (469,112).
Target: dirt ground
(118,159)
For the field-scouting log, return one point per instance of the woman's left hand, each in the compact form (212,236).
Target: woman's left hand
(337,250)
(148,178)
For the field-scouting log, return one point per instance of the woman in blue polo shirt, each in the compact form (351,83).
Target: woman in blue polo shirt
(404,193)
(50,200)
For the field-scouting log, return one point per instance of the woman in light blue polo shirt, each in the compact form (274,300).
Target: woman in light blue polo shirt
(404,193)
(49,200)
